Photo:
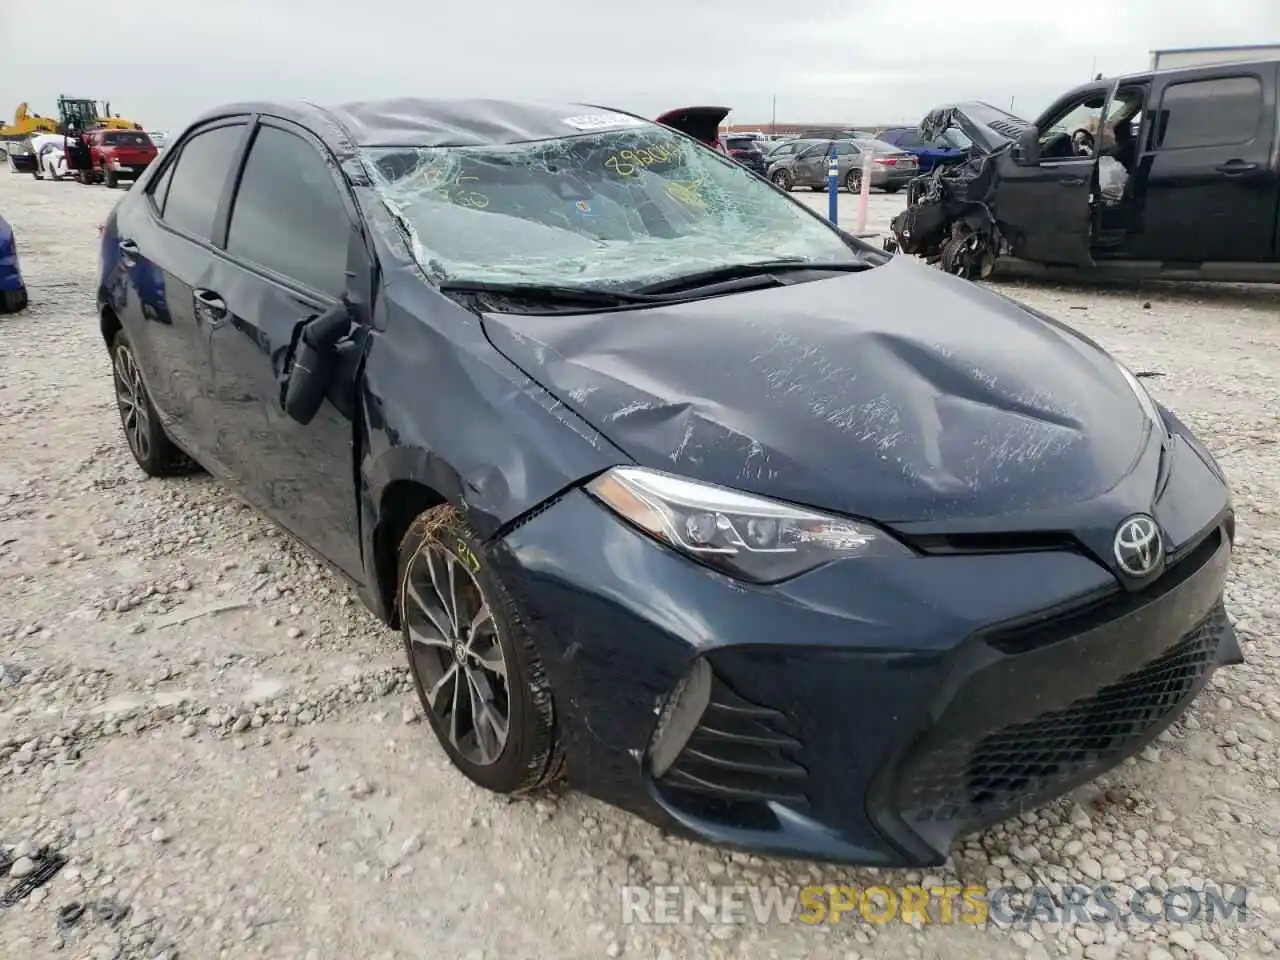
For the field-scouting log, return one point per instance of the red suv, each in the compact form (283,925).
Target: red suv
(119,154)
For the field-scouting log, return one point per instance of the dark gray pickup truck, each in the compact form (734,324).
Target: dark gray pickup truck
(1173,174)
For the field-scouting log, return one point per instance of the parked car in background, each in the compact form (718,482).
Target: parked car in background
(118,155)
(748,150)
(891,168)
(951,146)
(785,148)
(13,290)
(670,486)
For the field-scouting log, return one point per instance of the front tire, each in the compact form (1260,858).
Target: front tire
(782,180)
(478,675)
(853,181)
(155,453)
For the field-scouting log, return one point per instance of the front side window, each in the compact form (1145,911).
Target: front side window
(1210,113)
(288,215)
(194,186)
(617,208)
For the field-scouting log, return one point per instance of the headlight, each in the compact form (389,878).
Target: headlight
(743,535)
(1144,398)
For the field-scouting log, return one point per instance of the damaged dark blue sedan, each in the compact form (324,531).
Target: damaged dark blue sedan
(671,487)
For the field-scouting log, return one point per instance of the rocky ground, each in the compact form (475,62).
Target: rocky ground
(223,743)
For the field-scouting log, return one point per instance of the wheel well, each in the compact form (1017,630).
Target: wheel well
(110,324)
(402,502)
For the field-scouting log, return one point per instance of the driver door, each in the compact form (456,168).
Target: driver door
(1045,204)
(811,165)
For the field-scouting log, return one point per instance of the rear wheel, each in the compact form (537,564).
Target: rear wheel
(892,188)
(156,454)
(479,678)
(109,178)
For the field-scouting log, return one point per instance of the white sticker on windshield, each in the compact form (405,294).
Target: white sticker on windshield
(602,121)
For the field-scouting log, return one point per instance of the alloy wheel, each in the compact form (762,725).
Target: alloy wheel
(456,654)
(131,398)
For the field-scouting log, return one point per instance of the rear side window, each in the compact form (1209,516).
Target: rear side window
(194,185)
(1210,113)
(288,215)
(126,139)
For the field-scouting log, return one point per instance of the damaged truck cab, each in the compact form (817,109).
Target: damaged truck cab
(1167,174)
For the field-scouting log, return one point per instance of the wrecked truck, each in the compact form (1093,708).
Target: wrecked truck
(1161,175)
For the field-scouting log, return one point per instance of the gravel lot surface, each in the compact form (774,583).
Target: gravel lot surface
(222,741)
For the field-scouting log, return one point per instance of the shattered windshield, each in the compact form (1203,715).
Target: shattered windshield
(615,208)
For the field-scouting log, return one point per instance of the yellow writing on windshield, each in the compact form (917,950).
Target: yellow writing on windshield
(686,192)
(468,198)
(626,163)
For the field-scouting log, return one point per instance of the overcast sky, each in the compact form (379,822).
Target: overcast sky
(860,61)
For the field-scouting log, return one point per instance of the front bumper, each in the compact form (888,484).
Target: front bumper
(863,713)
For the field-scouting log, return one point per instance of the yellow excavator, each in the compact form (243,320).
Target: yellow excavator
(27,124)
(87,114)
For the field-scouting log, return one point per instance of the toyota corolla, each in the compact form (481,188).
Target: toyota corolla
(671,487)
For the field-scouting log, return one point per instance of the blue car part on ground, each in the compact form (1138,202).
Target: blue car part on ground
(13,292)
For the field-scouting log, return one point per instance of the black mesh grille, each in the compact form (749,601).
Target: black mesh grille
(976,781)
(741,752)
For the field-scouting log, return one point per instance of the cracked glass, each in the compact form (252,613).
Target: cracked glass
(613,208)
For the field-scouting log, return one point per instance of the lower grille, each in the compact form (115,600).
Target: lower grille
(978,781)
(741,752)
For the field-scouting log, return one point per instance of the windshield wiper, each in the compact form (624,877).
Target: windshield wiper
(733,271)
(543,293)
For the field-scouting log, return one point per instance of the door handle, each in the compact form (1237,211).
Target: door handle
(1072,182)
(211,305)
(1233,167)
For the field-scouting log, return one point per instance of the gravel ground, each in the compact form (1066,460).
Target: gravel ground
(223,742)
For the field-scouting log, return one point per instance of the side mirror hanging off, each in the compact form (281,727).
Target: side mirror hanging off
(307,379)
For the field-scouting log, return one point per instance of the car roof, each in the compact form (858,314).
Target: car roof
(428,122)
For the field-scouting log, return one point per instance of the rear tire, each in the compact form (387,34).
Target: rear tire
(892,188)
(155,453)
(482,687)
(109,178)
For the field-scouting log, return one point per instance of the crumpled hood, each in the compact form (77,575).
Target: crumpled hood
(898,394)
(988,135)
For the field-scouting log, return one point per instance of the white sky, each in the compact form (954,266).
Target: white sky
(864,61)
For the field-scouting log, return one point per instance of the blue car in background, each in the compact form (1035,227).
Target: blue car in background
(952,146)
(13,292)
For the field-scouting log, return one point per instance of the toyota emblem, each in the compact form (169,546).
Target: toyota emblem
(1138,546)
